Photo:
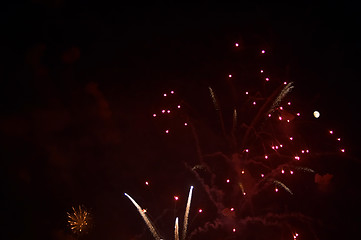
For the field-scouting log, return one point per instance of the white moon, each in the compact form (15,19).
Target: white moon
(316,114)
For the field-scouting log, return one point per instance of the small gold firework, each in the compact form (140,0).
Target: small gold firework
(79,220)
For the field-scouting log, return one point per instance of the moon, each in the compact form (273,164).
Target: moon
(316,114)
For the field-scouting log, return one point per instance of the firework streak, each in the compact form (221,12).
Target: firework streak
(145,218)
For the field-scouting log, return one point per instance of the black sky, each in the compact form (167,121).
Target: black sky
(80,81)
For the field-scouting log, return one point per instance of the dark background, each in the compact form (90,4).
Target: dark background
(79,81)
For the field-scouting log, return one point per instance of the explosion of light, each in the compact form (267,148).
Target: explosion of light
(248,142)
(186,214)
(79,220)
(145,218)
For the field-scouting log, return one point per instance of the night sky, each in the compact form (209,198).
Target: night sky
(80,82)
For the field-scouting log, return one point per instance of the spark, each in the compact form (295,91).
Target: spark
(236,44)
(230,75)
(200,210)
(267,79)
(145,218)
(172,92)
(263,51)
(176,198)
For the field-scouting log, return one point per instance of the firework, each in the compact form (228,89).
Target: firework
(186,214)
(79,220)
(145,218)
(261,151)
(176,227)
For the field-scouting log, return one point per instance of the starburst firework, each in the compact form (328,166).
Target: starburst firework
(79,220)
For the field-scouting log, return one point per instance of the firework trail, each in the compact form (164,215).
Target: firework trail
(282,94)
(186,214)
(218,109)
(145,218)
(278,183)
(176,229)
